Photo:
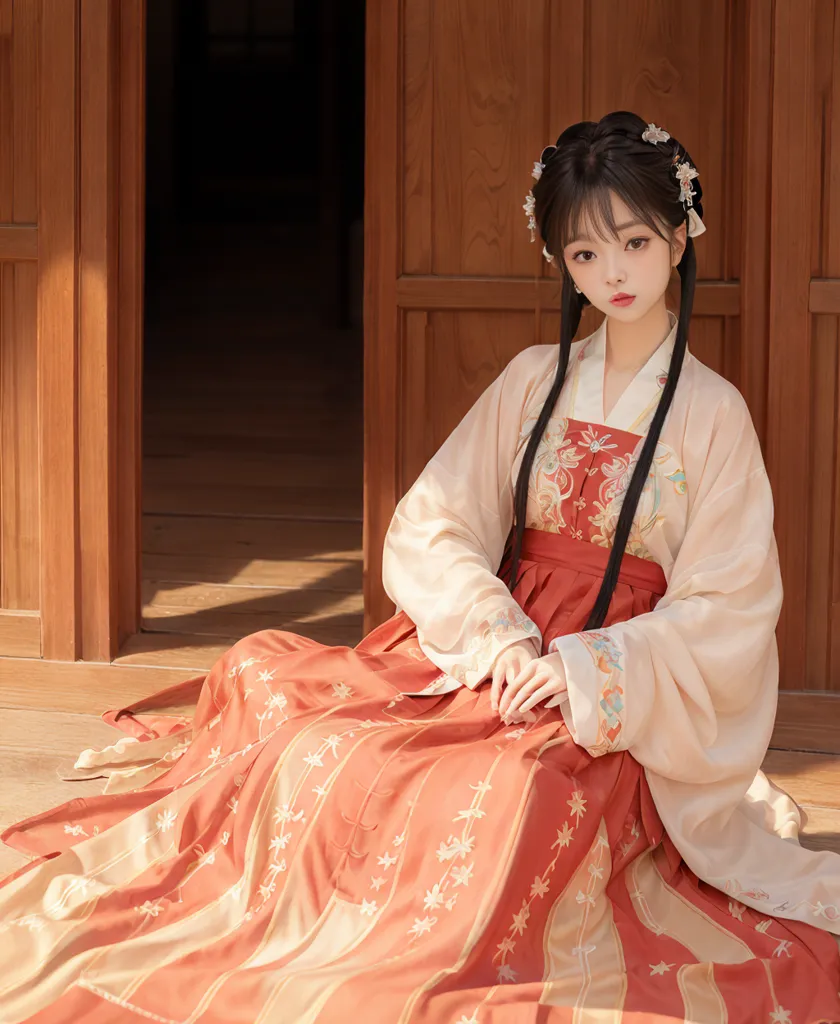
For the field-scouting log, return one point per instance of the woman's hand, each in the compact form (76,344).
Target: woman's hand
(508,666)
(538,680)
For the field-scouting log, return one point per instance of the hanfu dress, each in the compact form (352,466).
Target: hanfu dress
(309,834)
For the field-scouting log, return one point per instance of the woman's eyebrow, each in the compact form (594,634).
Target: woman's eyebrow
(618,227)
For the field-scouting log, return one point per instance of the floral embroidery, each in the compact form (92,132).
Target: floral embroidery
(607,656)
(453,849)
(552,477)
(572,451)
(166,820)
(538,889)
(593,443)
(274,702)
(732,887)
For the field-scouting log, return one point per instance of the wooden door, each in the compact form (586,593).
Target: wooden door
(463,96)
(71,105)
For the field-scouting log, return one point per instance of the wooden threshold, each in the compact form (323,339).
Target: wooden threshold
(80,687)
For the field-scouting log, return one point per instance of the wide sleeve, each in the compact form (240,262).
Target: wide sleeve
(690,688)
(445,542)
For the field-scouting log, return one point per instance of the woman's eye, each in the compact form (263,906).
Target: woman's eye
(642,242)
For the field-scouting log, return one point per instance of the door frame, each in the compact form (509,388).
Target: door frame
(90,323)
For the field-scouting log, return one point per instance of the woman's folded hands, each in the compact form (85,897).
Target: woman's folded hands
(521,679)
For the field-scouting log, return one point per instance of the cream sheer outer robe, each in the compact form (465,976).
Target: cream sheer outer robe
(699,672)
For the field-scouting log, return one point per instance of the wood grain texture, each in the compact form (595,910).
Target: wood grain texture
(233,612)
(172,650)
(130,314)
(19,457)
(383,243)
(18,242)
(34,746)
(814,778)
(58,329)
(98,325)
(789,380)
(81,687)
(808,721)
(19,463)
(829,215)
(824,295)
(20,634)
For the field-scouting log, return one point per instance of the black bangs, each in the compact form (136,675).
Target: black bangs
(590,211)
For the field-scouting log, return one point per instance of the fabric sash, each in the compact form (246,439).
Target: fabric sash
(583,556)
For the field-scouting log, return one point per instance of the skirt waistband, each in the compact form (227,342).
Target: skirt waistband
(583,556)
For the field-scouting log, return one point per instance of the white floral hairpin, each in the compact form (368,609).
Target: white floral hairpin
(685,173)
(530,201)
(654,134)
(528,207)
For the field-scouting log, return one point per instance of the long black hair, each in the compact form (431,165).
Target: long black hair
(590,161)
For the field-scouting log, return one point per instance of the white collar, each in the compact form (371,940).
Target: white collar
(584,396)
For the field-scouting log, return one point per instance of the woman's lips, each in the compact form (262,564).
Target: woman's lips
(622,300)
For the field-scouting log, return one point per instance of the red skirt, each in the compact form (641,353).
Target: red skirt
(317,842)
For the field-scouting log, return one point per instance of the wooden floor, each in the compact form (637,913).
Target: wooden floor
(252,513)
(252,449)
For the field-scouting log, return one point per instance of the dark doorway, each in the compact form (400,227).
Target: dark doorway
(252,422)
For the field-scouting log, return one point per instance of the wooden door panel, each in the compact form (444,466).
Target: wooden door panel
(20,520)
(450,358)
(20,543)
(70,80)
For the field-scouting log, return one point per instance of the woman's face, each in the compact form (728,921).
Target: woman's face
(638,263)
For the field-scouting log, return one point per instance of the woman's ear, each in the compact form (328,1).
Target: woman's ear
(678,244)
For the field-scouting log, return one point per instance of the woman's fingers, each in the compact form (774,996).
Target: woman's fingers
(547,690)
(521,694)
(519,680)
(496,684)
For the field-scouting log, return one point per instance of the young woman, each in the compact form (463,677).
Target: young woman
(534,793)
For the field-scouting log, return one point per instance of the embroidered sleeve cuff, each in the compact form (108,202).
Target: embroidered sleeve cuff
(593,708)
(472,666)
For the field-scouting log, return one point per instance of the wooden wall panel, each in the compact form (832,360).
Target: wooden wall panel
(19,486)
(450,358)
(821,668)
(97,348)
(132,211)
(58,329)
(488,60)
(789,380)
(71,87)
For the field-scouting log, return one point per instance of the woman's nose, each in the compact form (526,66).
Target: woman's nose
(615,274)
